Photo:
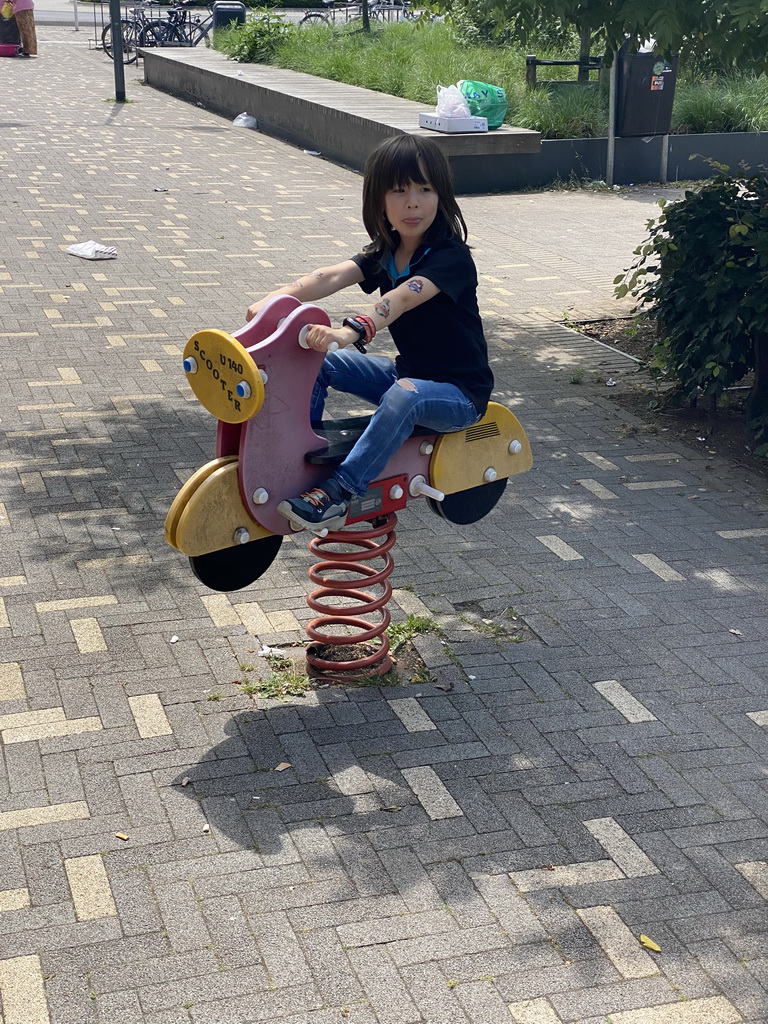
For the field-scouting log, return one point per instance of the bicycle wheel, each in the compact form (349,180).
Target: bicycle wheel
(160,33)
(128,32)
(315,18)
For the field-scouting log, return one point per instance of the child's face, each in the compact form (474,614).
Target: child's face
(411,209)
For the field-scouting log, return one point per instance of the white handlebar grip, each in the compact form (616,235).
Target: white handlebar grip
(303,339)
(419,485)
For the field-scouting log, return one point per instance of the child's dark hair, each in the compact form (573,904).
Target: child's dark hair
(395,163)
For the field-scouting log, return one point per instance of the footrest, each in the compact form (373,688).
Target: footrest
(342,435)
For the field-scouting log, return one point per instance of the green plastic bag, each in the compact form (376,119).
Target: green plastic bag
(485,101)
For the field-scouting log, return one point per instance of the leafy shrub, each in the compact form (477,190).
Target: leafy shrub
(703,275)
(256,41)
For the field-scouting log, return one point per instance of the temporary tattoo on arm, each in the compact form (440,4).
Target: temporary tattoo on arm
(318,273)
(382,308)
(415,284)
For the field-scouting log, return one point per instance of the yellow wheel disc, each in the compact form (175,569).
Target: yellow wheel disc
(186,491)
(494,447)
(223,376)
(214,517)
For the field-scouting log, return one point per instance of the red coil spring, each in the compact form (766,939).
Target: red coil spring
(369,547)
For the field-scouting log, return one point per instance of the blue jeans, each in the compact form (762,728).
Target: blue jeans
(439,407)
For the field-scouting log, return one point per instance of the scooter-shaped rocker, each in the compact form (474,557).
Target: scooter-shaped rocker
(257,383)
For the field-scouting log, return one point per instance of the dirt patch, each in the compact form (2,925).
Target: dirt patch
(407,666)
(636,391)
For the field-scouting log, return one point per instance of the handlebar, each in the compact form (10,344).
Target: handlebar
(303,339)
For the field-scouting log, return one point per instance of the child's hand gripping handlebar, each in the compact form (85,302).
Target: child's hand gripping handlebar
(332,347)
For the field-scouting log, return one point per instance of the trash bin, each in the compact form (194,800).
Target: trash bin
(646,91)
(228,12)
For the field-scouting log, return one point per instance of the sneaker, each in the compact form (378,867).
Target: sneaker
(325,507)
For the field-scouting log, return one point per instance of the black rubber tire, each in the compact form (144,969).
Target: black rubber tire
(315,18)
(236,567)
(130,54)
(471,505)
(160,33)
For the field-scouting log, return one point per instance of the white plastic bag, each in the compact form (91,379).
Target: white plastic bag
(244,121)
(450,102)
(93,251)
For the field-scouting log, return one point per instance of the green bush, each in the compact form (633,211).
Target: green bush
(256,41)
(703,276)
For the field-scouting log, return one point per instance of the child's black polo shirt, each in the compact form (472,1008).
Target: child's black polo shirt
(442,339)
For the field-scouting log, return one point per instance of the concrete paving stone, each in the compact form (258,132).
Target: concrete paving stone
(451,944)
(25,768)
(45,875)
(744,992)
(281,953)
(362,865)
(233,940)
(136,902)
(330,966)
(384,987)
(411,880)
(182,918)
(613,999)
(301,895)
(57,936)
(209,885)
(123,1006)
(481,1001)
(433,995)
(547,981)
(725,879)
(245,1010)
(355,1013)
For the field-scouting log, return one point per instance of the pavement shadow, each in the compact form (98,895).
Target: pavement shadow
(101,486)
(269,779)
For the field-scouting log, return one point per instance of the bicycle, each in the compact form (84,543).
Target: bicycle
(352,10)
(378,10)
(132,26)
(186,29)
(178,28)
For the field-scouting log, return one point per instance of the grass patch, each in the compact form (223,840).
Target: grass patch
(404,632)
(407,60)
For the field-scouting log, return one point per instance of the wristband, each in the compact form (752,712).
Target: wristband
(365,328)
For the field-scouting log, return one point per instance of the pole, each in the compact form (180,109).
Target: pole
(611,153)
(664,169)
(117,49)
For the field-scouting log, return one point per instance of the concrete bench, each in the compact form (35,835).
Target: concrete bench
(341,121)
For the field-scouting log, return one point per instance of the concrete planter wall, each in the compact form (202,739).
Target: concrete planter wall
(637,160)
(345,122)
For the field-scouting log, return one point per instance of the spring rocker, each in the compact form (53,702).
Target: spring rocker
(257,383)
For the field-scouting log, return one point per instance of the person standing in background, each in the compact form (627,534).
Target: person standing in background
(24,12)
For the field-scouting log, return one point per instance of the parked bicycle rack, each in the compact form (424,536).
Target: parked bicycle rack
(258,382)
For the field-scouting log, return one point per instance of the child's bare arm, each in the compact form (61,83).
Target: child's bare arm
(383,312)
(313,286)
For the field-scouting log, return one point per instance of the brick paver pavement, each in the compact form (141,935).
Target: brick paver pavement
(483,853)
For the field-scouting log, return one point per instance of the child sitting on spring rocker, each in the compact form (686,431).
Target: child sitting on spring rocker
(419,260)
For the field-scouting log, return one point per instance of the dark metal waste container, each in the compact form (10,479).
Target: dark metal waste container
(228,12)
(646,91)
